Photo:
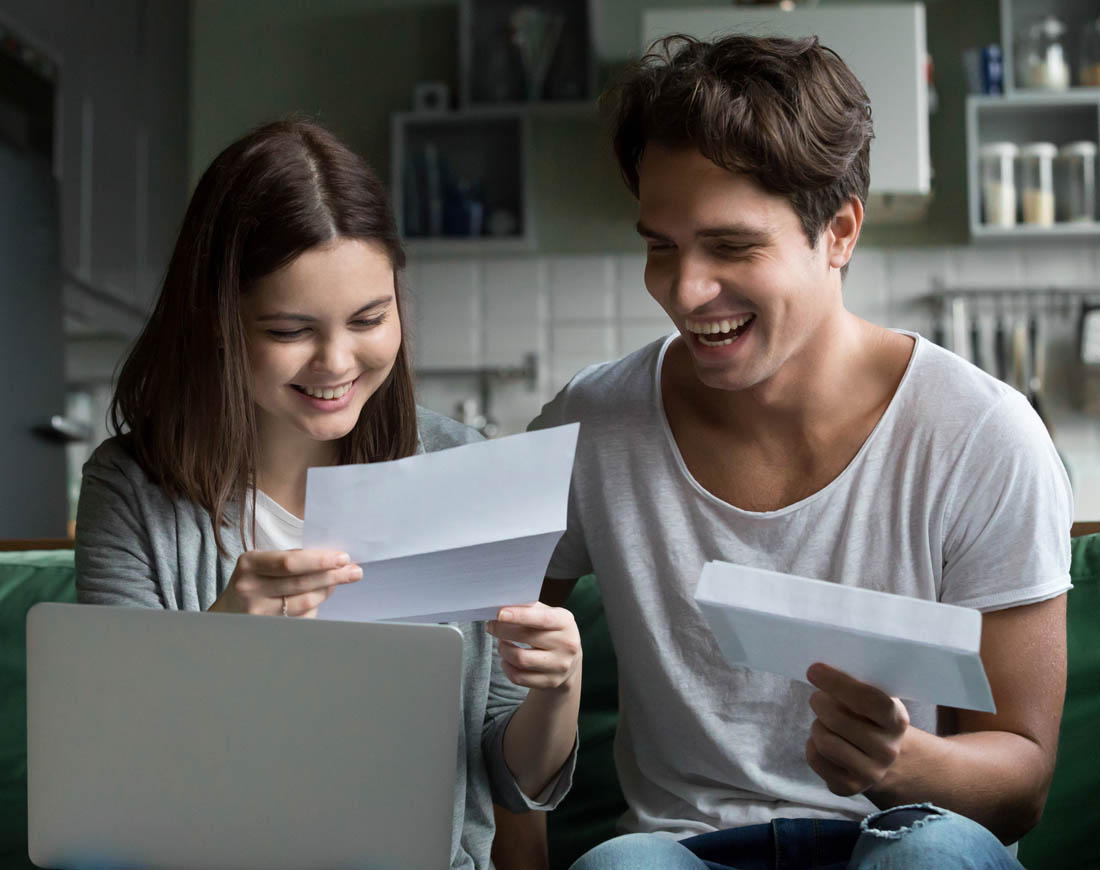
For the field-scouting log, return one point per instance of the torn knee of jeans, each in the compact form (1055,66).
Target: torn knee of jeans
(895,823)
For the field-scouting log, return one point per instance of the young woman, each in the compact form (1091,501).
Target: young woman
(278,343)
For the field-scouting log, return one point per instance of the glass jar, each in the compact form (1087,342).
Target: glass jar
(1041,55)
(997,160)
(1077,187)
(1037,183)
(1088,67)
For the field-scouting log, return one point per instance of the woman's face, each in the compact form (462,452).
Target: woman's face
(323,333)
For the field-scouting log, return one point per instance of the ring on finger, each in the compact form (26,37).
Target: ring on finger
(284,607)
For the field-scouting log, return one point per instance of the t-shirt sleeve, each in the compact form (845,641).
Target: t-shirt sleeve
(570,559)
(504,697)
(1008,514)
(114,562)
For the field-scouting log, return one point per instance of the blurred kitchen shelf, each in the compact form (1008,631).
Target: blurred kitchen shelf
(1026,115)
(1074,14)
(1030,231)
(459,181)
(492,71)
(1060,117)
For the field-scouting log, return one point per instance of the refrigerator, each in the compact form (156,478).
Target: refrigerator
(33,500)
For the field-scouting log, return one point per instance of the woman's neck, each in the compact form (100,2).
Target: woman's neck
(282,466)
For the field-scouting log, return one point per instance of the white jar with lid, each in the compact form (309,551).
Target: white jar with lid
(1041,55)
(998,183)
(1077,187)
(1037,183)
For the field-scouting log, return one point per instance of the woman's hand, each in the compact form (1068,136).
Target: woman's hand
(554,658)
(285,582)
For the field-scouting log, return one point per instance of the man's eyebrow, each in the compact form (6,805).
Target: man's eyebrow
(305,318)
(747,234)
(750,235)
(648,233)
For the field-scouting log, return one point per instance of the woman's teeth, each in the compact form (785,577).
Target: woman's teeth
(326,392)
(716,333)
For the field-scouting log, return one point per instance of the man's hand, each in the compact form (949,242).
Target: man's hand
(857,734)
(554,657)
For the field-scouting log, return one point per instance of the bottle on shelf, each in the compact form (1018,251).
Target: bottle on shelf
(1037,182)
(1077,191)
(998,183)
(1041,55)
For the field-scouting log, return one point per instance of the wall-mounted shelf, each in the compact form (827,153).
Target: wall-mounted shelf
(459,181)
(1025,115)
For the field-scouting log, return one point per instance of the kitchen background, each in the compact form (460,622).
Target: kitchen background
(524,265)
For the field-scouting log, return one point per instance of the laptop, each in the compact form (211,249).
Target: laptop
(167,739)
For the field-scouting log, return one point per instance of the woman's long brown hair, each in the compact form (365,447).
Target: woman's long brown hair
(184,393)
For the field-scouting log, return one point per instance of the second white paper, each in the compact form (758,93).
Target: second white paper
(912,649)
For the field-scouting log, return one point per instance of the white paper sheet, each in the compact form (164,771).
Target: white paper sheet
(447,536)
(912,649)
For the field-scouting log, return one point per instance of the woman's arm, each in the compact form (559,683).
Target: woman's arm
(540,736)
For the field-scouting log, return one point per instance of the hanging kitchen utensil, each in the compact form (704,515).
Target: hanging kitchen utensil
(1019,355)
(1037,353)
(1000,347)
(976,355)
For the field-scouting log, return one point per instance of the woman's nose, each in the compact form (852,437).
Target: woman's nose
(334,355)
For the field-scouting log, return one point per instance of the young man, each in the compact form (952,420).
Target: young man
(777,430)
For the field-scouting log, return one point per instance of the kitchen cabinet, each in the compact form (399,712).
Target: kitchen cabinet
(884,45)
(1027,113)
(462,179)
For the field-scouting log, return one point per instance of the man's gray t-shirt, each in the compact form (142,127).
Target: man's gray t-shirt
(957,496)
(135,547)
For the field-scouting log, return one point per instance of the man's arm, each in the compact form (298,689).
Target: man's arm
(996,769)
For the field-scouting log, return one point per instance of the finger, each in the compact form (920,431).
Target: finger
(835,749)
(535,660)
(860,698)
(861,732)
(306,602)
(537,615)
(839,781)
(276,587)
(284,563)
(529,679)
(533,637)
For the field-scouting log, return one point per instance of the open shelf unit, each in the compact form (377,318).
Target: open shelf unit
(1026,115)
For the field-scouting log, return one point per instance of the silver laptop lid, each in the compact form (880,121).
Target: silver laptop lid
(166,739)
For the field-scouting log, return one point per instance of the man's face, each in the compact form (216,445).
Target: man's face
(731,265)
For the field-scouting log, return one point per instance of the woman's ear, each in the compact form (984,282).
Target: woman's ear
(843,232)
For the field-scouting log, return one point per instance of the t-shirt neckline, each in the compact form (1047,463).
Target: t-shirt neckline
(836,482)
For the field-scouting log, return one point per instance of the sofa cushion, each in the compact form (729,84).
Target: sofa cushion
(588,814)
(1064,838)
(26,578)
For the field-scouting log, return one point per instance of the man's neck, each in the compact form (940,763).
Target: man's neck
(837,376)
(775,444)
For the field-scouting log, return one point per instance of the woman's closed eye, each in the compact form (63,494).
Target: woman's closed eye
(358,323)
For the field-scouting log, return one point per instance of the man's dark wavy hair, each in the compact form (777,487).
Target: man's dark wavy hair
(787,113)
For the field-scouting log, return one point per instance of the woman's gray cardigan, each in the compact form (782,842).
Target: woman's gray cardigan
(134,547)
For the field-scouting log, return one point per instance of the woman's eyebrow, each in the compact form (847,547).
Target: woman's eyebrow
(305,318)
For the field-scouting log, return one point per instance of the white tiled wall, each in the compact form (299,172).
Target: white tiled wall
(575,310)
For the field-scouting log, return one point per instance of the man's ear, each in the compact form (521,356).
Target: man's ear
(843,232)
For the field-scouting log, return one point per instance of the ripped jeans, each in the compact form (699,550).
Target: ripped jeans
(912,837)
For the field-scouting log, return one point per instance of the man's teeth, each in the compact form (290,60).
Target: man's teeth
(719,327)
(327,393)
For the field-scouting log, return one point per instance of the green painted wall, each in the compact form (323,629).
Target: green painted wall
(350,63)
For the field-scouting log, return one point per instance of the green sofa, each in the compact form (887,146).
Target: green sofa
(1064,838)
